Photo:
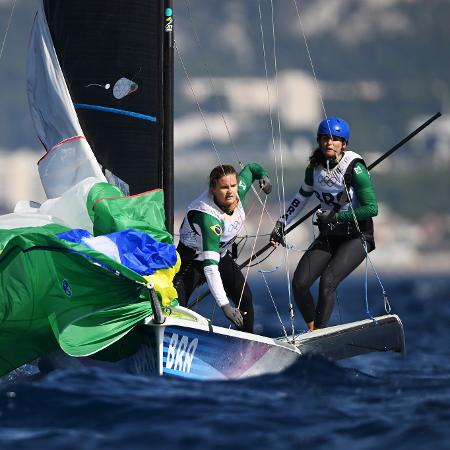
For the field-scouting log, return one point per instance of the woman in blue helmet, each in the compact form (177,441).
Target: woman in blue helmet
(340,180)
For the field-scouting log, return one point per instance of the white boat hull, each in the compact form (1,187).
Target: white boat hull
(195,349)
(382,334)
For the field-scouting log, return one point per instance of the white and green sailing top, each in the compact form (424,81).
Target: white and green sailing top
(328,185)
(210,231)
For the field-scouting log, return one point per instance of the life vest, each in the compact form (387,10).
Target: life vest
(330,188)
(230,225)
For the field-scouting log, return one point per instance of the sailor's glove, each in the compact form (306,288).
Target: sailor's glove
(326,220)
(277,236)
(265,185)
(233,315)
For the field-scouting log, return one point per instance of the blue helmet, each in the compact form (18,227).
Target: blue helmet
(334,126)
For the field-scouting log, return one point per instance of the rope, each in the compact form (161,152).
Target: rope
(277,91)
(269,103)
(200,109)
(198,104)
(262,272)
(219,103)
(302,30)
(7,28)
(259,262)
(387,305)
(210,79)
(365,283)
(282,196)
(253,251)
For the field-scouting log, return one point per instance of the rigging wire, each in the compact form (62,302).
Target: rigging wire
(387,305)
(220,104)
(277,91)
(269,102)
(259,262)
(264,209)
(252,253)
(272,128)
(197,102)
(7,27)
(277,170)
(365,283)
(286,249)
(211,82)
(302,30)
(270,115)
(314,73)
(386,301)
(262,272)
(186,73)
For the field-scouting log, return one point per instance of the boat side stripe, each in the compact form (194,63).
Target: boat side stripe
(116,111)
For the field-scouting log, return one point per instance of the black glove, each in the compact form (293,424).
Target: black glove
(265,185)
(278,234)
(326,220)
(233,315)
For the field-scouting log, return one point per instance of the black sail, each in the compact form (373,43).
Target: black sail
(115,57)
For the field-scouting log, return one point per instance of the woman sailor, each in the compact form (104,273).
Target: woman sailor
(212,223)
(334,175)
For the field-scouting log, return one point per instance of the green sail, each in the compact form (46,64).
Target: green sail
(143,212)
(54,293)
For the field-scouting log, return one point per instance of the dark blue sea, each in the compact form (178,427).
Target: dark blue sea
(371,402)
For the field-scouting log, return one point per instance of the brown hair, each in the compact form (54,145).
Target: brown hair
(218,172)
(317,158)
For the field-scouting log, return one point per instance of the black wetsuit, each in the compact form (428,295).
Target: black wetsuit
(333,255)
(191,275)
(332,260)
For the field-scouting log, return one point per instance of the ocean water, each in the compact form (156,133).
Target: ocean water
(370,402)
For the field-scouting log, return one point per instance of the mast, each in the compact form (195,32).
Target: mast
(168,108)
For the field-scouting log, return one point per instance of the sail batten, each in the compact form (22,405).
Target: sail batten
(116,111)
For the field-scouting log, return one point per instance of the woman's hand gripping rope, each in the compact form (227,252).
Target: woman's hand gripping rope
(277,235)
(233,315)
(326,220)
(265,185)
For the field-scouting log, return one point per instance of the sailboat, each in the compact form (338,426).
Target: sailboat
(100,87)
